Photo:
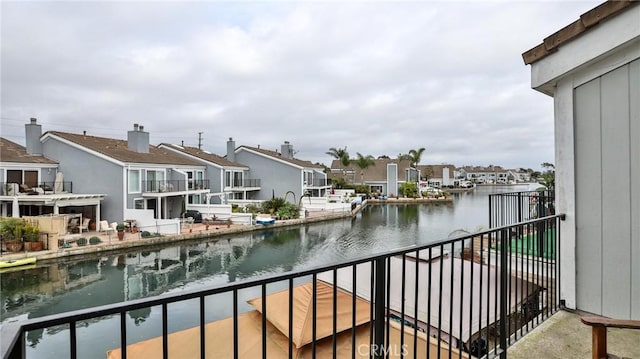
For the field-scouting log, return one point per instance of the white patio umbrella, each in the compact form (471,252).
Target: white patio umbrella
(58,185)
(15,210)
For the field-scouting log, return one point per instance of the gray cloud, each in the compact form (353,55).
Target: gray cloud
(379,77)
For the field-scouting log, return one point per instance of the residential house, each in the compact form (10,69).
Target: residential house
(228,181)
(591,68)
(280,173)
(385,175)
(490,174)
(520,175)
(438,175)
(142,182)
(33,184)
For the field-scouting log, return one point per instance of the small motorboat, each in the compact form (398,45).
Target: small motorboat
(265,221)
(17,262)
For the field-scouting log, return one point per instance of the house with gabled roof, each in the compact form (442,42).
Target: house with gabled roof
(228,181)
(385,175)
(489,174)
(280,173)
(438,175)
(33,184)
(142,182)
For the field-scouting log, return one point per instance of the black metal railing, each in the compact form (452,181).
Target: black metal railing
(174,185)
(516,207)
(245,183)
(317,182)
(13,189)
(472,295)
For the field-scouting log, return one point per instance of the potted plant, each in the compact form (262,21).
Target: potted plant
(82,241)
(11,231)
(120,229)
(31,235)
(95,240)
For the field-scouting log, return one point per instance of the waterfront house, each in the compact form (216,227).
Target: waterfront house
(33,184)
(280,173)
(520,175)
(228,181)
(489,175)
(438,175)
(385,175)
(142,182)
(591,68)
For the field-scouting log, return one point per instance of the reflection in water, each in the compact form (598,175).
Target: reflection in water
(71,285)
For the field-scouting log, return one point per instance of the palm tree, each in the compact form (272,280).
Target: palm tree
(340,154)
(363,162)
(415,155)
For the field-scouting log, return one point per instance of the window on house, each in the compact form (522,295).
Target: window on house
(237,179)
(233,178)
(134,181)
(30,178)
(138,203)
(200,179)
(155,180)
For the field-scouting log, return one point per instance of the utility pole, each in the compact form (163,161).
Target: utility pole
(200,140)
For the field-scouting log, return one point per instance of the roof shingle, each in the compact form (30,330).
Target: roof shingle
(203,155)
(278,155)
(119,150)
(13,152)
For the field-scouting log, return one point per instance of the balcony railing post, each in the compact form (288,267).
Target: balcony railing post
(519,207)
(504,275)
(378,350)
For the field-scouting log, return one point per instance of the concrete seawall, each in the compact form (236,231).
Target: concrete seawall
(134,240)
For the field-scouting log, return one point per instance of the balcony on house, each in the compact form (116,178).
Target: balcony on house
(19,189)
(317,183)
(171,186)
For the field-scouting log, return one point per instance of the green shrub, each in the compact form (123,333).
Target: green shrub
(145,234)
(288,211)
(12,228)
(272,205)
(81,241)
(409,189)
(252,208)
(95,240)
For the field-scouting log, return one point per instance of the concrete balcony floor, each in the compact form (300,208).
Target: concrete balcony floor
(564,336)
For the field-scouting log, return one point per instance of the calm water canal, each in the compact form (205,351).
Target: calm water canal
(77,284)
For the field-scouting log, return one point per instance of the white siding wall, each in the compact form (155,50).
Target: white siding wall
(607,176)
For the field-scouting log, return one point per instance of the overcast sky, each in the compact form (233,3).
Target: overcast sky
(380,78)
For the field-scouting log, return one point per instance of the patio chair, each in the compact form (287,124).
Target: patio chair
(104,227)
(73,226)
(85,224)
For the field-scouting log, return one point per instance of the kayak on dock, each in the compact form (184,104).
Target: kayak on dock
(17,262)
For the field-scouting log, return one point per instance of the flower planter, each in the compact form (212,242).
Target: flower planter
(13,246)
(34,246)
(120,235)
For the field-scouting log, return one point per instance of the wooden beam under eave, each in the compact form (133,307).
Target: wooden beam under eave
(536,54)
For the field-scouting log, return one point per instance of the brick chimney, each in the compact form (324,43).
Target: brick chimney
(286,150)
(138,140)
(33,131)
(231,150)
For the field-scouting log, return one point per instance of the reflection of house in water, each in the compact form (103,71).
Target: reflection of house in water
(153,272)
(82,273)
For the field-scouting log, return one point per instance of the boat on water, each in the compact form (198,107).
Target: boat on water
(265,220)
(17,262)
